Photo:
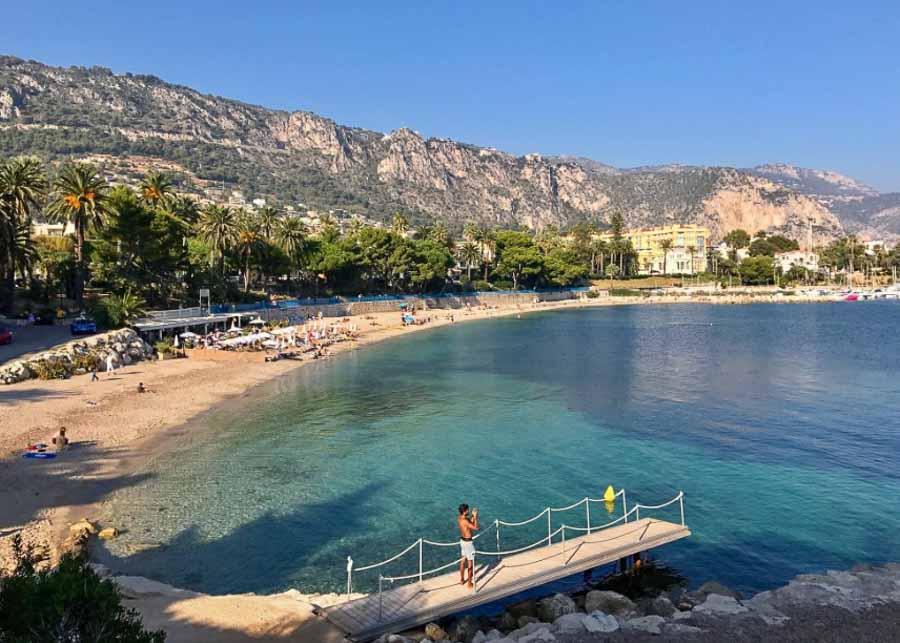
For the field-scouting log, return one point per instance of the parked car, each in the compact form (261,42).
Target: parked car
(6,335)
(83,326)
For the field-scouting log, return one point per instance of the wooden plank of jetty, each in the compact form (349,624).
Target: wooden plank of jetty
(417,603)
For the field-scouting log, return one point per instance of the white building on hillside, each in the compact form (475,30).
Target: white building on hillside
(800,258)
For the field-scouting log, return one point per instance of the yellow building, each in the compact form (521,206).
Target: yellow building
(686,253)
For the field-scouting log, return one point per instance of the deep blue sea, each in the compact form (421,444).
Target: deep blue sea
(781,423)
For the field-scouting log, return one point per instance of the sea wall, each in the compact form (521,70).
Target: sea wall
(79,356)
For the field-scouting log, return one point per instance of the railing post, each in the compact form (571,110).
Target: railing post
(681,502)
(564,545)
(549,526)
(625,505)
(587,515)
(380,601)
(497,526)
(349,576)
(637,512)
(420,560)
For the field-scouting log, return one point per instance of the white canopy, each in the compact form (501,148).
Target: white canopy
(257,322)
(188,335)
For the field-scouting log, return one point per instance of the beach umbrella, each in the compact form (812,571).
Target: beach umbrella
(258,322)
(176,341)
(188,335)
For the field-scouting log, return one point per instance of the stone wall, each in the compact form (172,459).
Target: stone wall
(76,356)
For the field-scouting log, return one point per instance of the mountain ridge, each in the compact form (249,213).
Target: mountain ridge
(299,156)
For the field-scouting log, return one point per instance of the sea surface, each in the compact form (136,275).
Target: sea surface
(781,424)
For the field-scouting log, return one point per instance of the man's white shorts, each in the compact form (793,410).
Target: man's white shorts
(467,548)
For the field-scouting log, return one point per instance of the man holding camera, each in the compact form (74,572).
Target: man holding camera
(467,524)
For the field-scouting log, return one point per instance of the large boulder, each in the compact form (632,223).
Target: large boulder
(718,605)
(715,587)
(607,602)
(600,622)
(551,608)
(466,628)
(507,622)
(435,632)
(569,623)
(658,606)
(650,624)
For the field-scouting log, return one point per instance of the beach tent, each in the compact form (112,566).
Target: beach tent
(257,322)
(188,335)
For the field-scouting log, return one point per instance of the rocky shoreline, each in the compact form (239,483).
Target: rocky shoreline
(794,612)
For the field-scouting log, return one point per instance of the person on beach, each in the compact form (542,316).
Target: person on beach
(141,388)
(94,377)
(110,366)
(60,441)
(467,525)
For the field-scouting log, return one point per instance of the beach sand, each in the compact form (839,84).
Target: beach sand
(114,430)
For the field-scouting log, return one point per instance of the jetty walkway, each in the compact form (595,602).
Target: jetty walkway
(565,550)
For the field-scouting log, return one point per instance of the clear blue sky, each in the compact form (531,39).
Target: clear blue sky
(624,82)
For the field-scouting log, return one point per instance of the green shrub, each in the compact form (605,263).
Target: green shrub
(69,603)
(481,285)
(53,368)
(85,362)
(592,294)
(625,292)
(164,347)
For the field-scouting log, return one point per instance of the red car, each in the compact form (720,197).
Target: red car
(5,335)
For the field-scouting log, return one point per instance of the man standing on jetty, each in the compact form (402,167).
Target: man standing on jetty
(467,548)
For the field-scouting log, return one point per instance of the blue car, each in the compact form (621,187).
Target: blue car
(83,326)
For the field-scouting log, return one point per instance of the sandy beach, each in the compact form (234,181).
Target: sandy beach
(115,429)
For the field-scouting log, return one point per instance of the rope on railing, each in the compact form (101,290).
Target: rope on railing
(548,511)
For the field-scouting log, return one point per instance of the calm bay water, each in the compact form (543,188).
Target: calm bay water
(781,423)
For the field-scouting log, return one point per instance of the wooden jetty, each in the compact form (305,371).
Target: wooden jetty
(428,597)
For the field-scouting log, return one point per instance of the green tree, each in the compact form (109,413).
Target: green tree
(218,227)
(692,252)
(22,190)
(666,245)
(157,190)
(563,267)
(399,223)
(469,254)
(737,239)
(431,261)
(518,257)
(291,237)
(757,270)
(249,243)
(66,603)
(81,198)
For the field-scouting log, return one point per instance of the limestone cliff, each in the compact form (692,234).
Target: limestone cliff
(294,157)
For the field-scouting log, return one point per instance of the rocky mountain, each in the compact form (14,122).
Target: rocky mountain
(214,145)
(861,209)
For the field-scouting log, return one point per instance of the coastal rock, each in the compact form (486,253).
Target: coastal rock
(108,534)
(435,632)
(522,621)
(527,630)
(523,608)
(718,605)
(658,606)
(507,622)
(466,629)
(492,635)
(550,609)
(568,623)
(540,636)
(607,602)
(650,624)
(715,587)
(679,629)
(600,622)
(83,525)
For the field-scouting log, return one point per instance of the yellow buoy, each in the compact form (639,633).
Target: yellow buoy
(610,495)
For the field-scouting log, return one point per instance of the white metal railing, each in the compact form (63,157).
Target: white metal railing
(496,525)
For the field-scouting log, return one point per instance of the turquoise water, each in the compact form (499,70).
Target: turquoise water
(779,422)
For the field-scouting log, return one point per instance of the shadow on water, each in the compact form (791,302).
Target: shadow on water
(260,556)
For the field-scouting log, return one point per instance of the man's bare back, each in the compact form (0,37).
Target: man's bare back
(467,547)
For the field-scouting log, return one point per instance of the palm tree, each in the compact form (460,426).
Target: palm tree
(249,242)
(666,245)
(291,236)
(157,190)
(80,198)
(469,254)
(485,237)
(22,189)
(400,224)
(439,234)
(269,220)
(692,251)
(218,227)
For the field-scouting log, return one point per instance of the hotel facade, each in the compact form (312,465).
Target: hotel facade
(686,255)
